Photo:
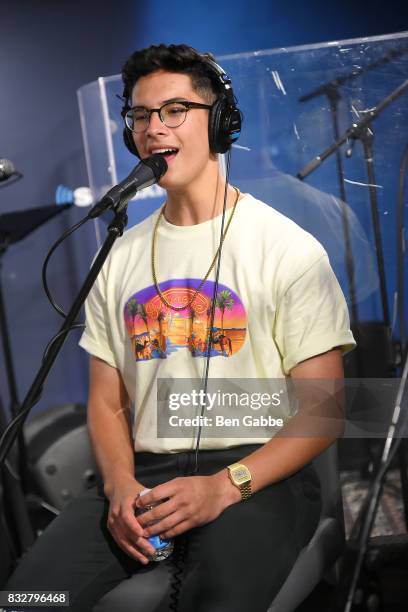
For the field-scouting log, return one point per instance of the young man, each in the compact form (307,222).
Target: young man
(278,312)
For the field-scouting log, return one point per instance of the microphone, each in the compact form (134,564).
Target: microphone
(7,169)
(146,173)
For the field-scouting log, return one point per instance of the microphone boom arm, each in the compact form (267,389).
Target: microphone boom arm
(352,132)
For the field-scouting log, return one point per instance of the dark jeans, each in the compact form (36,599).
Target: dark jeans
(236,563)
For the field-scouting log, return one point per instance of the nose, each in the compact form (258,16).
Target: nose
(156,125)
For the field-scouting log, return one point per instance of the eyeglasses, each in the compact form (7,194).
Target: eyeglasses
(172,114)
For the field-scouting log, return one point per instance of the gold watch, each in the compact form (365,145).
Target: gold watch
(240,476)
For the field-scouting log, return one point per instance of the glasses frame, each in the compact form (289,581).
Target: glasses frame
(148,113)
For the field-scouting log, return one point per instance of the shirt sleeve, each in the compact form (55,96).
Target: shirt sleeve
(97,337)
(312,316)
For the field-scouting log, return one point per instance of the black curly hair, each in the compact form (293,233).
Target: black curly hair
(172,58)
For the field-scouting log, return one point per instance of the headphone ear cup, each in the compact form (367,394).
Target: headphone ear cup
(216,132)
(224,125)
(129,142)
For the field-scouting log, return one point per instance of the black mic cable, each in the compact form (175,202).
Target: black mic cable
(146,173)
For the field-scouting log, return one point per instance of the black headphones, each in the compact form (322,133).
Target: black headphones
(225,118)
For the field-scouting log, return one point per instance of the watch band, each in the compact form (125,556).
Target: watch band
(245,490)
(239,480)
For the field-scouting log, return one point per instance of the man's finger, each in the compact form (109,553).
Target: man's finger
(144,546)
(157,494)
(133,552)
(132,523)
(175,531)
(158,513)
(167,523)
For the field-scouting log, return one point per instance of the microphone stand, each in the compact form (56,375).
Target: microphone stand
(366,135)
(330,89)
(356,72)
(362,130)
(115,229)
(334,97)
(147,172)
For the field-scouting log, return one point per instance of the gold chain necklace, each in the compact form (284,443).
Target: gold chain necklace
(156,283)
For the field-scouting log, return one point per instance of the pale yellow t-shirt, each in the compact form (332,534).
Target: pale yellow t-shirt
(278,303)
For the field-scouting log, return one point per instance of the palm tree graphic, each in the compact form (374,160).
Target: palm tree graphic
(224,300)
(141,311)
(192,315)
(161,317)
(136,309)
(132,308)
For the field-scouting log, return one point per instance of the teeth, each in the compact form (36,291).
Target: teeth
(164,151)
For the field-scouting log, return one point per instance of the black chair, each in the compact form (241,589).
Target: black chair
(60,459)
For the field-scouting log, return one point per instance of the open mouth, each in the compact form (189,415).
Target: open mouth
(168,153)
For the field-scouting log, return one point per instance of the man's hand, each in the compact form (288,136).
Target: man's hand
(110,430)
(123,524)
(189,501)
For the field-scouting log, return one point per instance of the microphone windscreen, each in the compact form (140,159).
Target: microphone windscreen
(158,164)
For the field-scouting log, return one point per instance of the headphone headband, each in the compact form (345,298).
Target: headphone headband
(223,77)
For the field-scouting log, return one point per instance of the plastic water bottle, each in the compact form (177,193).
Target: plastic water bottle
(164,548)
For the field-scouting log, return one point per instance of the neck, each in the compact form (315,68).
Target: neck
(197,203)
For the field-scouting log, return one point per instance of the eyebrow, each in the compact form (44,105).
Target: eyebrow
(176,99)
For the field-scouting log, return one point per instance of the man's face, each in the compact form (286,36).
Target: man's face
(192,159)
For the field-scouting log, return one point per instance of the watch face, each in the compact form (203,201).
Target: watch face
(240,475)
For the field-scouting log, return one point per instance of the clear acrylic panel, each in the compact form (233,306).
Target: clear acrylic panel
(282,134)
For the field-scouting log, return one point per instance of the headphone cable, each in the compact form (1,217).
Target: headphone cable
(178,561)
(212,315)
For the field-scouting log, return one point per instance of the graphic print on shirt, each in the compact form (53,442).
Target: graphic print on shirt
(156,331)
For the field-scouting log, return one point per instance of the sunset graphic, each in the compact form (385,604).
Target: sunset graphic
(156,331)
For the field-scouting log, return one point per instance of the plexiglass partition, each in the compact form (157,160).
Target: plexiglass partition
(296,102)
